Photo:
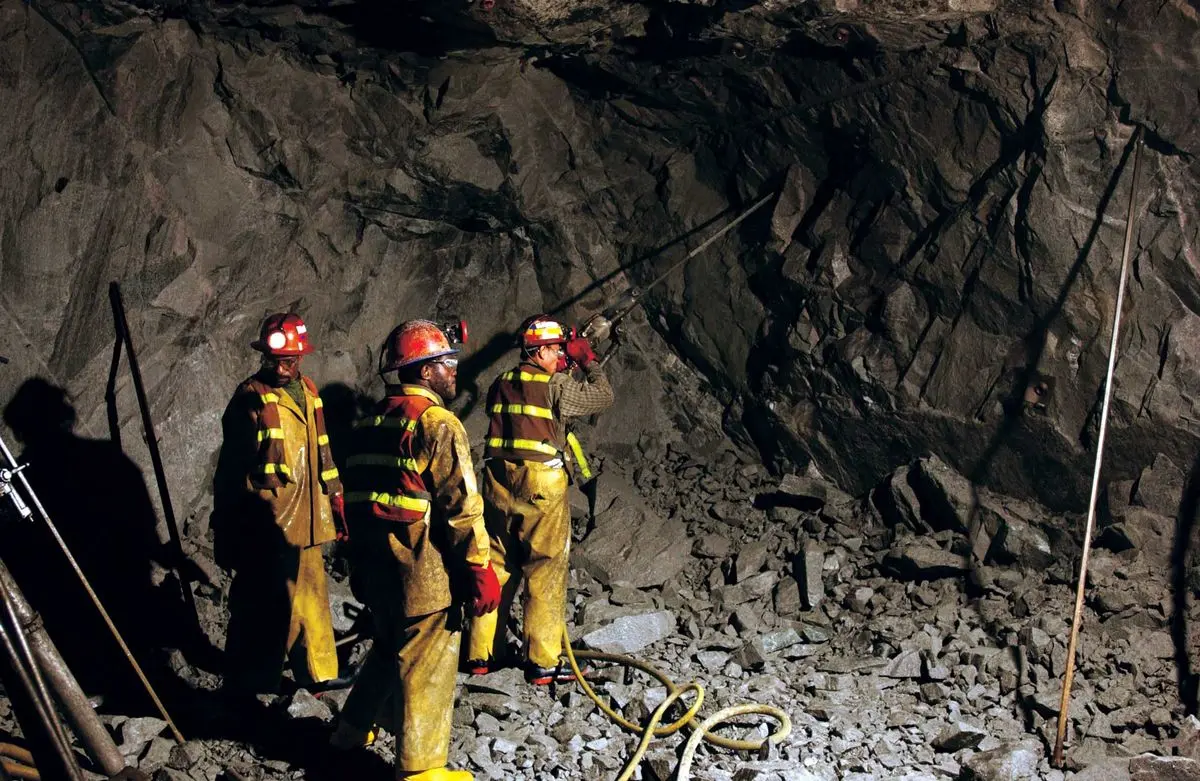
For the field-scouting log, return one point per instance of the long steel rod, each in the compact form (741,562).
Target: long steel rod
(1069,674)
(87,586)
(708,242)
(84,721)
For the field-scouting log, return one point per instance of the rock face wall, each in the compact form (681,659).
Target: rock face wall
(952,190)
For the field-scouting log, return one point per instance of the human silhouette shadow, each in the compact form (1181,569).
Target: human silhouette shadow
(97,498)
(1185,526)
(248,541)
(343,406)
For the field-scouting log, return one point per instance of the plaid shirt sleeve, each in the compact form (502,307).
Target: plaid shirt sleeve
(570,397)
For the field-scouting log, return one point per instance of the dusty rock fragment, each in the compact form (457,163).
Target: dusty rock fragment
(897,502)
(185,755)
(809,568)
(1159,488)
(750,657)
(907,664)
(157,755)
(957,736)
(630,634)
(750,560)
(786,597)
(1148,767)
(507,681)
(1012,539)
(947,498)
(922,561)
(651,557)
(343,605)
(774,770)
(137,732)
(1008,762)
(305,706)
(712,546)
(807,493)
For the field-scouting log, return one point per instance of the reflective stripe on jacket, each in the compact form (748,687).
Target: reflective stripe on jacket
(410,563)
(383,473)
(272,470)
(523,426)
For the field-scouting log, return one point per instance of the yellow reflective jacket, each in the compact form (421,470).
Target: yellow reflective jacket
(427,556)
(300,508)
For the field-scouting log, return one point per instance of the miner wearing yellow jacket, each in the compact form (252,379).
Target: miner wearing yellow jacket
(277,500)
(525,491)
(422,551)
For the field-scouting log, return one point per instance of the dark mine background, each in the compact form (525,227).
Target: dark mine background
(828,484)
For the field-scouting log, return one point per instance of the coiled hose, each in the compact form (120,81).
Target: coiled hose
(701,732)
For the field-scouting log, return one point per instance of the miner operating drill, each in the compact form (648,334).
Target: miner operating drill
(525,480)
(420,550)
(277,500)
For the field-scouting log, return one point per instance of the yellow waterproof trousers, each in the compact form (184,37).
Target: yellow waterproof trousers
(529,522)
(412,667)
(273,611)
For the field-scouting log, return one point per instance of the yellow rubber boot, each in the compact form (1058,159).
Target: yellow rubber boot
(438,774)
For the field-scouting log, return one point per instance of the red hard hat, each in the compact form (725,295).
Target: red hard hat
(283,335)
(414,341)
(541,330)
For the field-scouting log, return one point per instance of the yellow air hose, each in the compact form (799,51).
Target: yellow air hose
(701,732)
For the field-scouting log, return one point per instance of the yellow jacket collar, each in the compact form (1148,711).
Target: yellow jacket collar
(415,390)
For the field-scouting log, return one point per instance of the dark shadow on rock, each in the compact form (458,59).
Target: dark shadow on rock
(97,499)
(471,368)
(1035,341)
(425,28)
(343,406)
(1185,526)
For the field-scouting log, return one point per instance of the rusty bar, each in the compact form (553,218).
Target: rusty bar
(84,721)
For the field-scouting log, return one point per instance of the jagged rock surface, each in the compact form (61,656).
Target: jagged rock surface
(945,243)
(935,278)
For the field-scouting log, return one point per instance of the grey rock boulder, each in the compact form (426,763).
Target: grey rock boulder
(630,634)
(1007,762)
(923,561)
(634,545)
(1148,767)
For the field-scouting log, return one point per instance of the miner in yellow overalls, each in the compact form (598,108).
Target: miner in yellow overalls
(277,500)
(525,482)
(421,549)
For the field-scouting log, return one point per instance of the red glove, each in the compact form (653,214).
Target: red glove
(337,505)
(485,589)
(579,351)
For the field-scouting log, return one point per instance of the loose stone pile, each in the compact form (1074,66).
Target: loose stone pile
(915,633)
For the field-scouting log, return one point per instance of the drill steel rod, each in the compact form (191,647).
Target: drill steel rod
(40,700)
(36,502)
(160,474)
(1069,673)
(709,241)
(634,294)
(49,663)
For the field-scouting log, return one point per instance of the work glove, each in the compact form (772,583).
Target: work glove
(485,589)
(580,351)
(337,505)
